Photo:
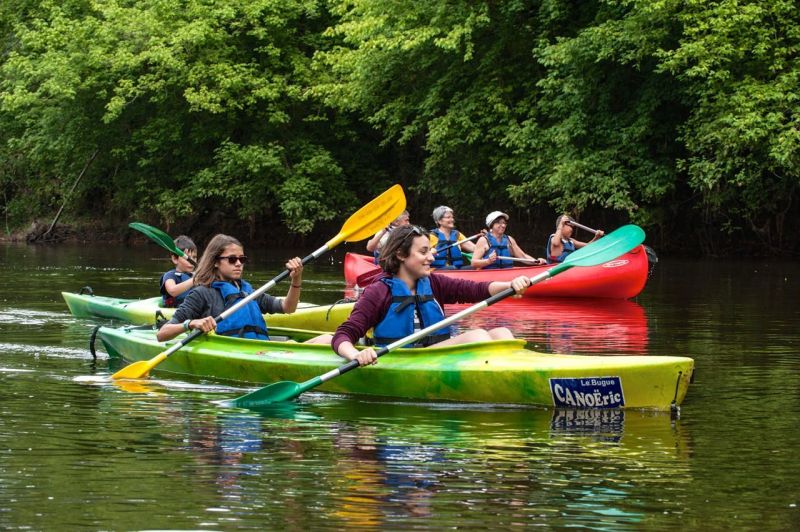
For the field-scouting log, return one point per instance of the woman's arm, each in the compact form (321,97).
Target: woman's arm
(368,311)
(480,250)
(170,330)
(467,245)
(579,244)
(193,313)
(295,267)
(519,284)
(372,244)
(175,289)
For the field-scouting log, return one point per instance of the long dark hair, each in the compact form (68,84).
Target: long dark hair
(399,243)
(206,271)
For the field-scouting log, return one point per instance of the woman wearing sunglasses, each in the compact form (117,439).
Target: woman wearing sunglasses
(409,297)
(218,285)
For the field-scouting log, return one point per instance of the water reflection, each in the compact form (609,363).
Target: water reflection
(568,326)
(399,461)
(167,457)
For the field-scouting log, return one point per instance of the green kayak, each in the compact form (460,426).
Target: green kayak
(501,372)
(144,312)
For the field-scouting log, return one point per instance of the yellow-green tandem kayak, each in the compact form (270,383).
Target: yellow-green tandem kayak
(487,372)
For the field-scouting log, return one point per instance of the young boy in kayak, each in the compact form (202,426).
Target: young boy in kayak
(408,297)
(447,237)
(218,285)
(176,283)
(375,243)
(496,244)
(560,244)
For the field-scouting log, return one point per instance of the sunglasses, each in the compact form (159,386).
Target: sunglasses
(415,230)
(233,259)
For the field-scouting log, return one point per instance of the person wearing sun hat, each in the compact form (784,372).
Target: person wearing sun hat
(496,244)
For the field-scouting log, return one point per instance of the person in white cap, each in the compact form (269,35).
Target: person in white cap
(496,244)
(447,250)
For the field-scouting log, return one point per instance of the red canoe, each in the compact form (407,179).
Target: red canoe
(621,278)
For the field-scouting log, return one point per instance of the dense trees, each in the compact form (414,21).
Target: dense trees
(682,116)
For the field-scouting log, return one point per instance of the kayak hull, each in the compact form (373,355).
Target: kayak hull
(621,278)
(136,311)
(487,372)
(144,312)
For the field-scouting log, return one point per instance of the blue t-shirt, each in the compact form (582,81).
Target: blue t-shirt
(174,301)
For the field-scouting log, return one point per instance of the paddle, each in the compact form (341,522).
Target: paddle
(437,251)
(513,259)
(608,248)
(362,224)
(161,238)
(581,226)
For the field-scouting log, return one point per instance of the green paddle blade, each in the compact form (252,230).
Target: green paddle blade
(158,236)
(274,393)
(607,248)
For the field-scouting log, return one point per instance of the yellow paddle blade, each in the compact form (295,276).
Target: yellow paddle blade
(372,217)
(140,369)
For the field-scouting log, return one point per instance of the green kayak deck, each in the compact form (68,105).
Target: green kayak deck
(502,372)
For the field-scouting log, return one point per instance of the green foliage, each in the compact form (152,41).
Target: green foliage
(673,114)
(195,107)
(739,66)
(663,111)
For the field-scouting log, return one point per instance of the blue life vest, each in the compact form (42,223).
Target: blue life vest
(174,301)
(247,322)
(450,257)
(399,320)
(568,247)
(501,248)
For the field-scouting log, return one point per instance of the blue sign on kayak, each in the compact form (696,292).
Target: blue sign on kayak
(588,392)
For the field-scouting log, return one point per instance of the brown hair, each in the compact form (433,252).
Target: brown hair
(558,220)
(399,243)
(184,243)
(206,271)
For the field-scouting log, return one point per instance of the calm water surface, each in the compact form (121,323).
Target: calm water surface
(162,455)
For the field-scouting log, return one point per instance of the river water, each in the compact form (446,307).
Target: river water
(163,455)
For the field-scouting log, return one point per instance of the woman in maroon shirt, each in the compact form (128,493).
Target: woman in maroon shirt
(407,257)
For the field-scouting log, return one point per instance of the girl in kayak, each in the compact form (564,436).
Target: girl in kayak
(219,285)
(446,237)
(408,297)
(176,283)
(375,243)
(496,244)
(560,244)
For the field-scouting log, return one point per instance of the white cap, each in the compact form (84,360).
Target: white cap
(494,215)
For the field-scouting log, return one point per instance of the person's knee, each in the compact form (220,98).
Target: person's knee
(477,335)
(501,333)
